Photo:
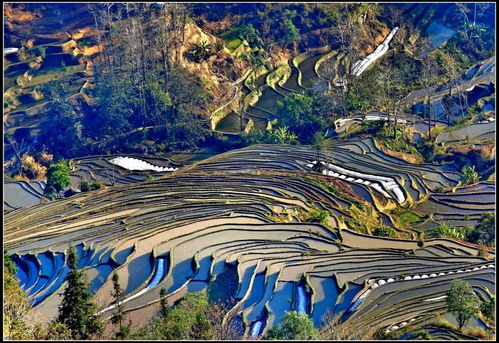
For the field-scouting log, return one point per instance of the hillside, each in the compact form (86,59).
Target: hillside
(215,171)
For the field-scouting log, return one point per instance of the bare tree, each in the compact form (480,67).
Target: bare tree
(429,76)
(347,34)
(463,15)
(456,93)
(19,150)
(333,329)
(110,175)
(224,322)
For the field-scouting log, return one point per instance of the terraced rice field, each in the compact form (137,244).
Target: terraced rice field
(358,160)
(96,168)
(213,224)
(461,208)
(22,193)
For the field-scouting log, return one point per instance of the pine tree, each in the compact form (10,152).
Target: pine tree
(77,311)
(164,308)
(118,317)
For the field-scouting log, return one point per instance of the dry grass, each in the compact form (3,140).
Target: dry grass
(480,333)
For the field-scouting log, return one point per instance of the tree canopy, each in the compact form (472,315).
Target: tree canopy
(294,326)
(57,177)
(462,302)
(299,112)
(485,231)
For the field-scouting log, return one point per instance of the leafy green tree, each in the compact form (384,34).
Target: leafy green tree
(462,302)
(118,317)
(201,328)
(294,326)
(189,318)
(298,113)
(484,232)
(289,32)
(488,308)
(57,177)
(77,311)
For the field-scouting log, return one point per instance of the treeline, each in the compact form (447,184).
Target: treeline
(140,85)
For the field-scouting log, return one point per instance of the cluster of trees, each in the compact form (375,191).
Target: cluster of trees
(483,233)
(140,87)
(304,115)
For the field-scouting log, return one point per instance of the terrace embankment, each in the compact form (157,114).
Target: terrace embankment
(253,211)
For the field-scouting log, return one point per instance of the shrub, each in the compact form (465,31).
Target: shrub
(316,215)
(421,335)
(488,308)
(484,232)
(381,334)
(440,322)
(57,177)
(86,186)
(385,231)
(479,332)
(470,176)
(45,158)
(32,168)
(483,251)
(445,230)
(40,51)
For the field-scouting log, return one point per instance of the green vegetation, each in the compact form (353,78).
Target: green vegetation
(385,231)
(422,335)
(192,318)
(16,309)
(77,311)
(462,302)
(86,186)
(118,317)
(470,176)
(300,113)
(383,130)
(57,178)
(147,96)
(405,218)
(484,232)
(293,326)
(444,230)
(316,215)
(201,51)
(279,135)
